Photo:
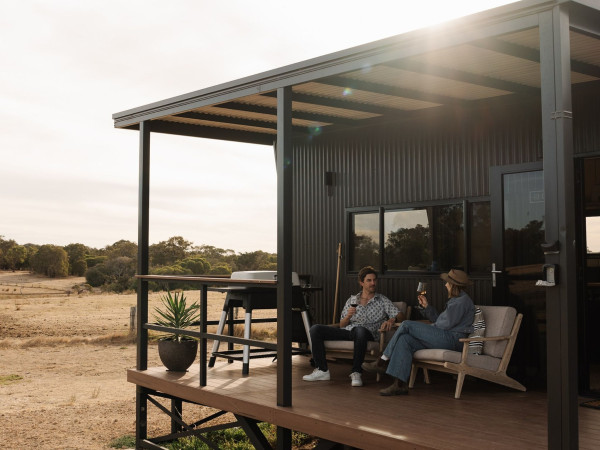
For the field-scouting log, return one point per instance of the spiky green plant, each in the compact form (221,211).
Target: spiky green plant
(176,314)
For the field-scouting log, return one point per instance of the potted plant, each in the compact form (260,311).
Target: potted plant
(177,352)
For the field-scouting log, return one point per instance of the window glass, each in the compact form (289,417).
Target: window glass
(448,237)
(481,237)
(430,238)
(524,231)
(407,237)
(592,228)
(364,240)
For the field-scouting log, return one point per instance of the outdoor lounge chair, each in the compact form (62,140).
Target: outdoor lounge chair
(501,327)
(345,349)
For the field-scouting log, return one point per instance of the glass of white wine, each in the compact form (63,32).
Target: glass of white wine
(422,290)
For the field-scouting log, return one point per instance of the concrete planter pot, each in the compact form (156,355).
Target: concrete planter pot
(177,356)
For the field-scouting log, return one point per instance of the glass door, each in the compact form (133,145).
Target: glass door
(589,282)
(517,204)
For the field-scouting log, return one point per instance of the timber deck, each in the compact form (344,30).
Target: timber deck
(486,416)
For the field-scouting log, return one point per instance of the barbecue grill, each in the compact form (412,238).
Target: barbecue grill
(260,297)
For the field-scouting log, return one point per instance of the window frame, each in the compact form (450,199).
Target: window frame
(382,209)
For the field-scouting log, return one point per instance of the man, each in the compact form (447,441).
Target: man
(363,317)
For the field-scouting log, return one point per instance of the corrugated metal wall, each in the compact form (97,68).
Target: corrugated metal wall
(400,162)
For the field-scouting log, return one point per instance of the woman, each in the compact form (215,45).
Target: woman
(454,323)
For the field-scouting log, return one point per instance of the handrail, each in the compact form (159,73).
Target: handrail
(208,280)
(203,335)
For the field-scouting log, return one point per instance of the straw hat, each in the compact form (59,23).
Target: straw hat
(457,277)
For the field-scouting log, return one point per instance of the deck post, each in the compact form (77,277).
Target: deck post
(561,300)
(284,257)
(143,255)
(141,430)
(284,246)
(203,326)
(141,415)
(177,411)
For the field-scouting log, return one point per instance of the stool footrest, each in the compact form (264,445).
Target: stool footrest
(237,355)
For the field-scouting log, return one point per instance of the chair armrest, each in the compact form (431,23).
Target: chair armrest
(465,349)
(383,334)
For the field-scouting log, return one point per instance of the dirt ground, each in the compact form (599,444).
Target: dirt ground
(63,362)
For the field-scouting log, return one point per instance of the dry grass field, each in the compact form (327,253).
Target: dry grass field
(64,353)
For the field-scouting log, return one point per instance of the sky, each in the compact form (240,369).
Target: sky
(68,176)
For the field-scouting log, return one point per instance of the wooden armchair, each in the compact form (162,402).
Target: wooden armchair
(502,326)
(345,349)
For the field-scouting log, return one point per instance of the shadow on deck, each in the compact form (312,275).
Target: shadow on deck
(486,416)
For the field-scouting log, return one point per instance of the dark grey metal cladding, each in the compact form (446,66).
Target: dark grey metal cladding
(407,162)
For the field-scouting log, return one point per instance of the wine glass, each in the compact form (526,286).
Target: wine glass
(353,304)
(422,290)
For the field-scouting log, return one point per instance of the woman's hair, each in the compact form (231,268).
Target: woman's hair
(454,290)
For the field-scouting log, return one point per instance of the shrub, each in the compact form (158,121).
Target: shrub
(126,441)
(236,438)
(93,261)
(51,261)
(196,265)
(79,267)
(175,269)
(221,269)
(95,277)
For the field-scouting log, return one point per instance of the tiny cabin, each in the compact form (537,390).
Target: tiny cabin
(473,144)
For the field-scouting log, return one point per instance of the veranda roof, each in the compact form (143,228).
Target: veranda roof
(493,54)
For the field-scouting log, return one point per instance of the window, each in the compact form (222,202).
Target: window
(480,237)
(407,239)
(364,240)
(430,238)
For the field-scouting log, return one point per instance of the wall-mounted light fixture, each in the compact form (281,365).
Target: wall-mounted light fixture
(329,180)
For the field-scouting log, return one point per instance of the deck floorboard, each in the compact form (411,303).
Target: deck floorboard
(486,415)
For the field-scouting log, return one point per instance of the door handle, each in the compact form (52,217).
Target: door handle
(494,272)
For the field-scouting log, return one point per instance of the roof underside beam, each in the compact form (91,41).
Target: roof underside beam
(336,103)
(531,54)
(465,77)
(585,20)
(273,111)
(390,90)
(216,119)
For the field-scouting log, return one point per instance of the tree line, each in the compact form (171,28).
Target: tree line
(114,266)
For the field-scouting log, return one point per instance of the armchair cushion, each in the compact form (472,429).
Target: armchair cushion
(442,356)
(476,347)
(372,346)
(500,320)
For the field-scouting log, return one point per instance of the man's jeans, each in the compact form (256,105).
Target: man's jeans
(412,336)
(321,333)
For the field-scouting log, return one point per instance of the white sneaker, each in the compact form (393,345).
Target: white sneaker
(317,375)
(356,379)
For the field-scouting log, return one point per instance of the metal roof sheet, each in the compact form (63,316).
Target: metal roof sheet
(484,57)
